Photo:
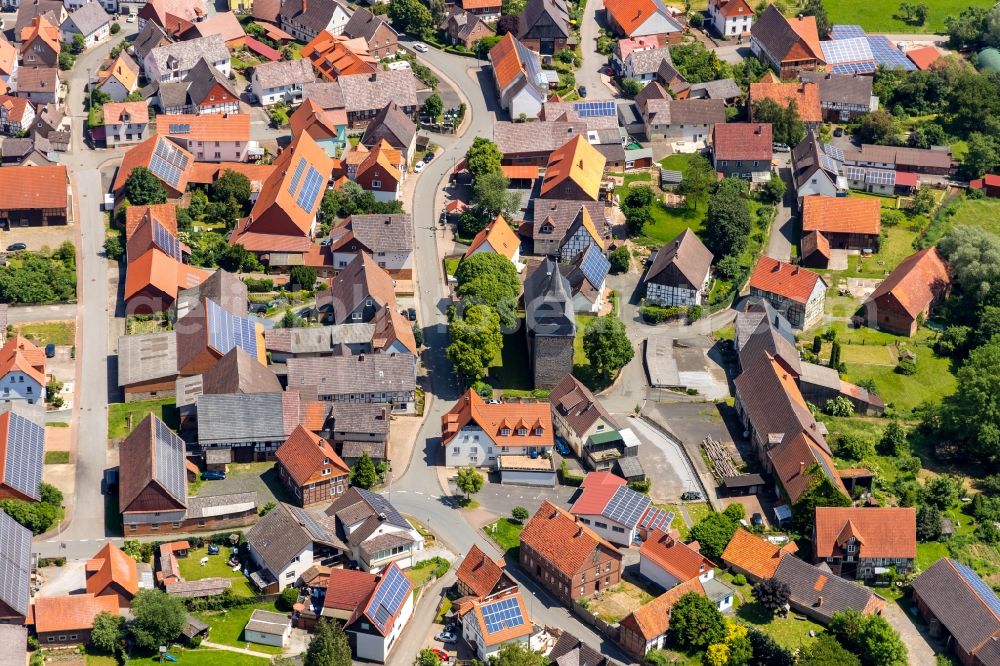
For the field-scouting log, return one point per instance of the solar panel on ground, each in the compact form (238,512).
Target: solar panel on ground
(887,55)
(166,241)
(595,108)
(839,51)
(984,591)
(626,507)
(25,455)
(15,563)
(299,168)
(846,31)
(310,190)
(595,266)
(502,614)
(388,597)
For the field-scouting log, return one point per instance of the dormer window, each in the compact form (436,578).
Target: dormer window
(538,431)
(326,471)
(504,432)
(522,431)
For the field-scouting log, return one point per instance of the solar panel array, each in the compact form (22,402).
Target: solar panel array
(855,173)
(309,194)
(887,55)
(851,68)
(596,108)
(834,152)
(25,455)
(169,458)
(15,564)
(168,163)
(316,531)
(880,177)
(846,31)
(854,49)
(381,505)
(829,164)
(626,507)
(166,241)
(388,596)
(180,128)
(226,330)
(984,591)
(297,176)
(595,266)
(502,614)
(656,519)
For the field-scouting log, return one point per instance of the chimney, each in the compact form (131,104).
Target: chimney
(776,268)
(385,413)
(361,358)
(758,130)
(819,601)
(305,6)
(802,468)
(579,532)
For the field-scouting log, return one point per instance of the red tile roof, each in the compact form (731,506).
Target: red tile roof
(141,154)
(597,490)
(305,454)
(500,237)
(112,565)
(479,572)
(261,49)
(346,589)
(653,619)
(136,112)
(841,215)
(496,418)
(742,141)
(208,126)
(165,214)
(880,531)
(15,106)
(559,539)
(754,555)
(630,14)
(915,282)
(21,354)
(33,187)
(805,95)
(71,612)
(924,57)
(675,557)
(787,280)
(507,66)
(156,269)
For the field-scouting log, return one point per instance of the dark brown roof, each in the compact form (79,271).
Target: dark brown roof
(152,455)
(544,19)
(687,254)
(577,405)
(342,375)
(391,124)
(359,417)
(238,372)
(223,287)
(778,37)
(361,280)
(283,533)
(962,602)
(571,651)
(314,15)
(365,24)
(841,88)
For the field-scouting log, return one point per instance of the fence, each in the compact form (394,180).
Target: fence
(609,631)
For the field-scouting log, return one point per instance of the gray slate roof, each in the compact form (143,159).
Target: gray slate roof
(87,19)
(284,73)
(359,418)
(367,92)
(342,375)
(357,504)
(314,15)
(571,651)
(670,111)
(365,24)
(688,256)
(548,302)
(201,79)
(841,88)
(837,594)
(283,533)
(238,372)
(15,564)
(188,53)
(959,599)
(316,339)
(535,137)
(151,36)
(325,93)
(146,357)
(266,622)
(242,417)
(647,61)
(223,287)
(391,124)
(721,89)
(383,233)
(209,506)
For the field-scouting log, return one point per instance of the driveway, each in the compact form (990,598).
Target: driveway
(779,245)
(921,651)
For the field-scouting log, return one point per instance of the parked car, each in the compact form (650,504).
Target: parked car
(50,350)
(411,314)
(446,637)
(14,247)
(258,308)
(562,447)
(780,148)
(420,47)
(130,19)
(757,520)
(839,131)
(690,495)
(213,549)
(212,475)
(418,167)
(582,90)
(428,157)
(441,654)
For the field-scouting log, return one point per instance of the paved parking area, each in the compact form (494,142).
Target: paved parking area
(501,500)
(38,237)
(248,477)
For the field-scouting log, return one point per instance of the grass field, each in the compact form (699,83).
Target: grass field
(506,533)
(697,510)
(45,332)
(791,632)
(203,657)
(118,415)
(226,627)
(678,522)
(983,213)
(884,17)
(669,223)
(451,265)
(216,568)
(932,381)
(56,457)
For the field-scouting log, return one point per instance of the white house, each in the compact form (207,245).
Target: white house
(730,18)
(388,238)
(475,432)
(267,628)
(521,83)
(816,172)
(375,533)
(282,81)
(679,273)
(617,513)
(795,292)
(667,561)
(284,543)
(382,616)
(23,378)
(305,19)
(494,621)
(172,62)
(91,21)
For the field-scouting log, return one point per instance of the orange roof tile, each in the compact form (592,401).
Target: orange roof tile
(480,4)
(630,14)
(915,283)
(653,619)
(806,96)
(156,269)
(112,565)
(786,280)
(22,355)
(314,416)
(71,612)
(320,123)
(880,531)
(792,460)
(578,161)
(493,419)
(555,535)
(15,106)
(33,187)
(507,65)
(506,632)
(754,555)
(141,154)
(207,127)
(479,572)
(674,556)
(924,58)
(114,112)
(40,28)
(165,214)
(8,57)
(123,69)
(500,237)
(805,28)
(333,56)
(304,454)
(730,8)
(841,215)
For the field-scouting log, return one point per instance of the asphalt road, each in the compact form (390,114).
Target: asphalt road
(589,74)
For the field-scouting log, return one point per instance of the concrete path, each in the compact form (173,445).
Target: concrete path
(921,652)
(22,314)
(229,648)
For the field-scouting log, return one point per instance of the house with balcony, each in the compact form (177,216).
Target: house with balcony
(375,533)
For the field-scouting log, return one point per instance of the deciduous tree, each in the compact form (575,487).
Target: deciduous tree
(411,17)
(607,346)
(108,632)
(142,188)
(491,196)
(696,622)
(713,533)
(483,157)
(469,481)
(728,223)
(772,594)
(157,618)
(329,646)
(475,341)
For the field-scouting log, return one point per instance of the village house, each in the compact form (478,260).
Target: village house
(15,576)
(521,83)
(377,622)
(173,16)
(564,228)
(495,621)
(689,120)
(304,19)
(789,46)
(567,557)
(40,85)
(125,122)
(743,150)
(571,651)
(903,300)
(645,18)
(375,533)
(40,43)
(281,81)
(845,223)
(587,275)
(22,371)
(679,273)
(309,468)
(864,543)
(34,196)
(69,619)
(796,293)
(465,28)
(204,90)
(615,512)
(574,172)
(364,95)
(208,332)
(843,97)
(90,21)
(22,444)
(380,38)
(587,427)
(284,544)
(643,64)
(960,610)
(387,239)
(360,429)
(818,594)
(667,561)
(378,378)
(335,56)
(175,61)
(210,137)
(114,574)
(249,426)
(754,557)
(486,10)
(358,293)
(543,26)
(481,576)
(327,128)
(394,127)
(380,170)
(646,628)
(731,18)
(814,171)
(805,95)
(497,237)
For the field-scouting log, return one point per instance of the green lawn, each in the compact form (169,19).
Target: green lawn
(698,510)
(202,657)
(581,364)
(639,177)
(45,332)
(451,265)
(226,627)
(791,632)
(669,223)
(933,380)
(421,572)
(983,213)
(191,569)
(678,522)
(883,17)
(101,660)
(506,533)
(118,413)
(929,553)
(512,370)
(56,457)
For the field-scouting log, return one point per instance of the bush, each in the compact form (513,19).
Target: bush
(568,479)
(289,596)
(640,486)
(739,579)
(115,28)
(654,314)
(839,406)
(695,313)
(907,366)
(619,259)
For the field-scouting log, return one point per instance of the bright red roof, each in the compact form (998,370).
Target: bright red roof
(787,280)
(598,488)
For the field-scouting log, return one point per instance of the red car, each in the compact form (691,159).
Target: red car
(441,654)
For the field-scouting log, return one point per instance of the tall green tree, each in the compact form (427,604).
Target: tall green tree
(517,654)
(469,481)
(972,414)
(231,186)
(491,196)
(713,533)
(411,16)
(869,637)
(108,632)
(364,475)
(826,651)
(728,223)
(329,646)
(698,178)
(483,157)
(142,188)
(432,107)
(983,156)
(817,9)
(475,341)
(607,346)
(303,277)
(696,622)
(157,618)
